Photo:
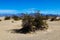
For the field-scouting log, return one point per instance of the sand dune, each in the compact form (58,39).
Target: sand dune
(53,33)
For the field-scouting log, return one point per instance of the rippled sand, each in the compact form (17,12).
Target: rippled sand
(53,33)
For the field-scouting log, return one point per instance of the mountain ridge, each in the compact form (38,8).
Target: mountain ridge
(20,14)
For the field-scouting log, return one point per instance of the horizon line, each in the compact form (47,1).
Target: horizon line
(30,11)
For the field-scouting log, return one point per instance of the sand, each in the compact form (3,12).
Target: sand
(53,32)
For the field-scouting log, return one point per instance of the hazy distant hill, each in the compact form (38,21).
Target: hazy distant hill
(6,14)
(20,14)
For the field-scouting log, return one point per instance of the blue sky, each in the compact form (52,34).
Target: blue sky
(15,6)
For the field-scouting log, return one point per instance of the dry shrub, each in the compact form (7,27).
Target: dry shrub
(12,21)
(7,18)
(31,24)
(0,20)
(39,23)
(16,18)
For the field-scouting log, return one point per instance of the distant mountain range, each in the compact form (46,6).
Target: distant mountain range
(20,14)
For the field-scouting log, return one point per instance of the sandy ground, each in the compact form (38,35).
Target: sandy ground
(53,33)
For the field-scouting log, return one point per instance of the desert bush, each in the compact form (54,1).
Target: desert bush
(7,18)
(0,20)
(53,19)
(12,21)
(27,26)
(39,23)
(31,24)
(47,17)
(27,22)
(16,18)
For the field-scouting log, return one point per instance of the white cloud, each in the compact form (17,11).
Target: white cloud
(29,11)
(8,11)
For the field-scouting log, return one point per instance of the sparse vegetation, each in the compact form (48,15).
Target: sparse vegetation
(16,18)
(7,18)
(54,19)
(0,20)
(31,24)
(39,23)
(12,21)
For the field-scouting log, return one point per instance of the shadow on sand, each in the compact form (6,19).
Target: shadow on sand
(23,30)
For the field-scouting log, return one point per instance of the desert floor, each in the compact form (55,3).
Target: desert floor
(53,33)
